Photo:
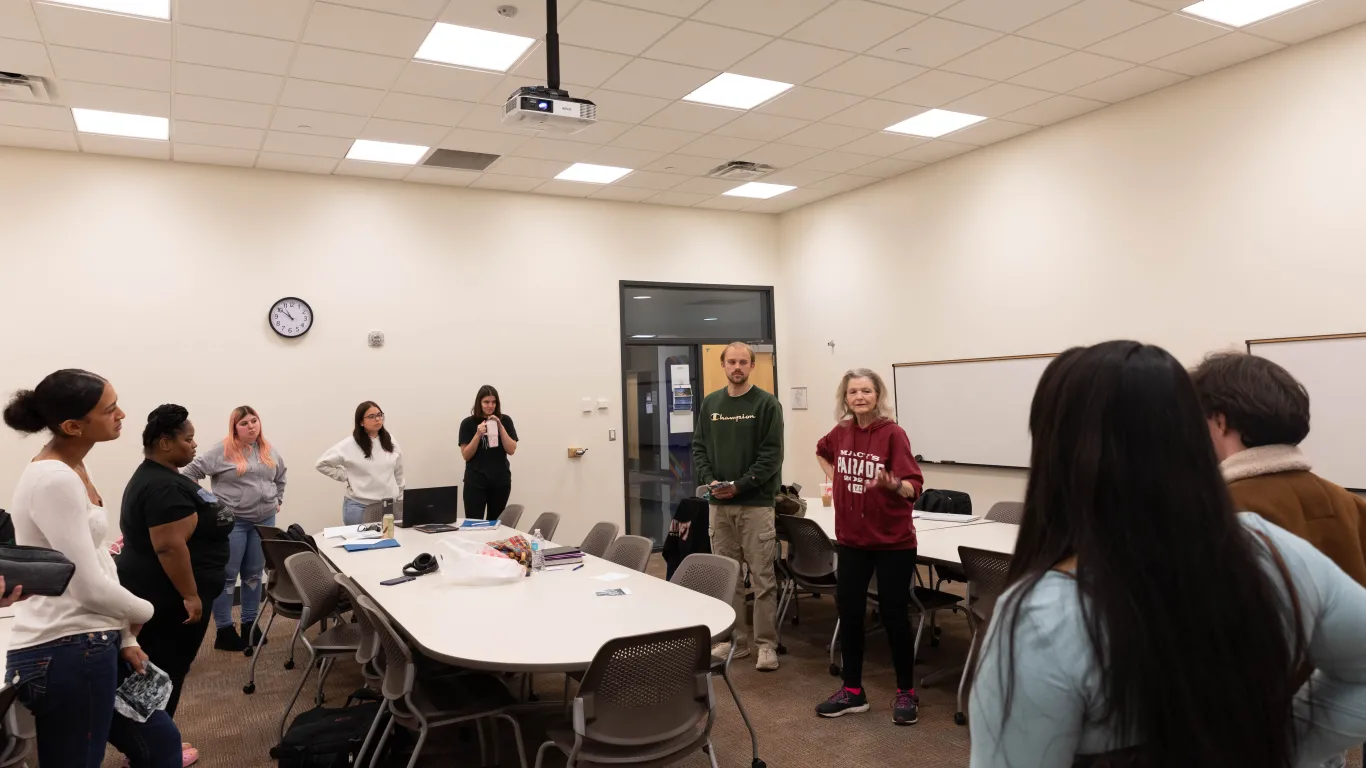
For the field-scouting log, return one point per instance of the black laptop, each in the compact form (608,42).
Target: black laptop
(424,506)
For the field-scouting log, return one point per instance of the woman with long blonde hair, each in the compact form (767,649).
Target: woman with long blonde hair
(248,475)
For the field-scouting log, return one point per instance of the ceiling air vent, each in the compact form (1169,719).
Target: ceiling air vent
(30,88)
(741,170)
(460,160)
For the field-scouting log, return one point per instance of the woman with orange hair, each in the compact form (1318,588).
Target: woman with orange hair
(248,476)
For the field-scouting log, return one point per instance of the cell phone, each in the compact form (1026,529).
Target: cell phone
(398,580)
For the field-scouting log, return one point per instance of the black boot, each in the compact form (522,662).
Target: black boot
(255,635)
(228,640)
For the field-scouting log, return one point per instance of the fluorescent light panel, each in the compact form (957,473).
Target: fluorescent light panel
(386,152)
(1240,13)
(760,190)
(122,124)
(470,47)
(152,9)
(737,91)
(935,123)
(593,174)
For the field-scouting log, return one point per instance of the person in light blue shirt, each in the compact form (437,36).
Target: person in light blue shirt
(1148,624)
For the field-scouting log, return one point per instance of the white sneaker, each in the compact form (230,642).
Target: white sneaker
(768,660)
(721,649)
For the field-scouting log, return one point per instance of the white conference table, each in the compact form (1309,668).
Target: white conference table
(548,622)
(937,540)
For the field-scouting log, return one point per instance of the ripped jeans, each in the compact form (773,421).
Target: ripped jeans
(244,557)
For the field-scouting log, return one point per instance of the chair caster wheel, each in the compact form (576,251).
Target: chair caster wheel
(781,649)
(289,664)
(706,750)
(959,718)
(934,642)
(835,670)
(248,651)
(938,631)
(758,763)
(249,688)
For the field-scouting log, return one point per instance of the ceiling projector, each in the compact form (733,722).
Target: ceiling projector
(549,110)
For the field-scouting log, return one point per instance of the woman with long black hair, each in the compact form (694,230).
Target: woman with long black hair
(369,463)
(487,438)
(1148,624)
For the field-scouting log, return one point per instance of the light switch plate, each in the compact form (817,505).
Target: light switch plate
(602,403)
(611,435)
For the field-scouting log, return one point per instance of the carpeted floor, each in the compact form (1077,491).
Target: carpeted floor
(234,730)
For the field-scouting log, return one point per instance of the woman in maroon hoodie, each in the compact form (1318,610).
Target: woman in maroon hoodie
(876,479)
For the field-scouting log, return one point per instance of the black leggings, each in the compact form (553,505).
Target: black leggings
(485,503)
(170,643)
(895,569)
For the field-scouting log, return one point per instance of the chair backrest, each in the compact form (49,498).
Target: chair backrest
(630,551)
(512,515)
(277,551)
(711,575)
(599,539)
(369,640)
(317,590)
(988,574)
(810,555)
(398,670)
(546,523)
(647,688)
(267,532)
(374,513)
(1006,512)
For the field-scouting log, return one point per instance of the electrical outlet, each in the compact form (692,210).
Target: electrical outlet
(611,435)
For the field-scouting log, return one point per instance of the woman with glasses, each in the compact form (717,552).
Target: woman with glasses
(368,462)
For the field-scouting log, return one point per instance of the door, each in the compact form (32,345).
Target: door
(660,395)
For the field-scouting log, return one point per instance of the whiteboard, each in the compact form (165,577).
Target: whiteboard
(1333,369)
(969,411)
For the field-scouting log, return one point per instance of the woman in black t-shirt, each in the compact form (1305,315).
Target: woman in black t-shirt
(175,545)
(488,478)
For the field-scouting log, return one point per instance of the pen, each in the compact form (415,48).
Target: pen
(575,568)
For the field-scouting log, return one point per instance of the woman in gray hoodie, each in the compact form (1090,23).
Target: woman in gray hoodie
(248,476)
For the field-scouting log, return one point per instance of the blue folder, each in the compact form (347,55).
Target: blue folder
(361,546)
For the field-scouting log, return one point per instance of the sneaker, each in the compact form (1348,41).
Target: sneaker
(188,755)
(905,707)
(721,649)
(768,660)
(843,702)
(228,640)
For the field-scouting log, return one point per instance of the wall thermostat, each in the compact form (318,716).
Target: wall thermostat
(376,338)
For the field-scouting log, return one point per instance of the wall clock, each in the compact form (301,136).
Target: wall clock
(291,317)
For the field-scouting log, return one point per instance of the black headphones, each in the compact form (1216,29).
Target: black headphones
(421,565)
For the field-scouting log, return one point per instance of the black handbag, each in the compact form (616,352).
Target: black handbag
(39,570)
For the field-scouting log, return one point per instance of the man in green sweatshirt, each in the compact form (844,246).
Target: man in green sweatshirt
(737,450)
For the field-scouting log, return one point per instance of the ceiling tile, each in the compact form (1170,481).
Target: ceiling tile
(1310,21)
(659,78)
(625,107)
(332,65)
(400,132)
(421,9)
(936,88)
(330,97)
(882,144)
(836,162)
(997,100)
(682,8)
(25,57)
(614,28)
(111,68)
(118,145)
(866,76)
(1216,54)
(936,150)
(920,6)
(762,127)
(111,98)
(622,157)
(724,203)
(789,62)
(1128,84)
(770,17)
(1004,15)
(526,166)
(705,45)
(844,183)
(1054,110)
(686,116)
(1089,22)
(577,65)
(371,170)
(707,186)
(506,183)
(826,135)
(600,132)
(1071,71)
(482,141)
(317,123)
(874,114)
(654,139)
(555,149)
(809,103)
(298,163)
(1156,39)
(37,138)
(685,164)
(721,146)
(624,194)
(112,32)
(303,144)
(484,117)
(782,155)
(192,153)
(281,19)
(567,188)
(786,202)
(990,132)
(483,14)
(652,180)
(887,167)
(686,199)
(934,42)
(205,110)
(449,177)
(423,109)
(498,94)
(853,25)
(19,23)
(227,84)
(1005,58)
(1167,5)
(211,47)
(36,116)
(335,26)
(797,177)
(446,82)
(186,132)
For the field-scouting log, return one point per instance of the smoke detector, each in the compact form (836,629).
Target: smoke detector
(375,339)
(740,170)
(29,88)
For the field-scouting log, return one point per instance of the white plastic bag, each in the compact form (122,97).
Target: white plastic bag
(141,695)
(471,563)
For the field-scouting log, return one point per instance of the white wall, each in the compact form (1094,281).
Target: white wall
(158,276)
(1220,210)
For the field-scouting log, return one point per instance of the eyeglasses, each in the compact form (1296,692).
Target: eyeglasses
(374,417)
(367,527)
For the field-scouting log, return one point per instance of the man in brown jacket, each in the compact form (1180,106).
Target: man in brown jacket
(1258,414)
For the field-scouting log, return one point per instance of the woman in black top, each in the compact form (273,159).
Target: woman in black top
(175,545)
(488,478)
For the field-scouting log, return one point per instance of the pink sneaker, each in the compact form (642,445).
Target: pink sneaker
(188,755)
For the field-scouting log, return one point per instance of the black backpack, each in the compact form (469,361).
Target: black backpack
(297,533)
(950,502)
(325,737)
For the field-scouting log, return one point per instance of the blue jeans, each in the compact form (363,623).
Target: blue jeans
(352,512)
(244,557)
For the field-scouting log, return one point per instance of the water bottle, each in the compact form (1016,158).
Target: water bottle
(537,558)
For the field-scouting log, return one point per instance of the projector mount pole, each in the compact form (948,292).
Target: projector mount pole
(552,46)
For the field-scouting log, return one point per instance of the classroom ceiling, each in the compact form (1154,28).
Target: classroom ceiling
(289,84)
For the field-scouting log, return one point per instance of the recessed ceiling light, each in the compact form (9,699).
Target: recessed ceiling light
(122,124)
(760,190)
(935,123)
(469,47)
(152,9)
(738,91)
(643,336)
(386,152)
(1240,13)
(592,174)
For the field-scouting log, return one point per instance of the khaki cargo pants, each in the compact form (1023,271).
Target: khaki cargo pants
(749,535)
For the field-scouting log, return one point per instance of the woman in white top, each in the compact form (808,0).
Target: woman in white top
(65,651)
(372,473)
